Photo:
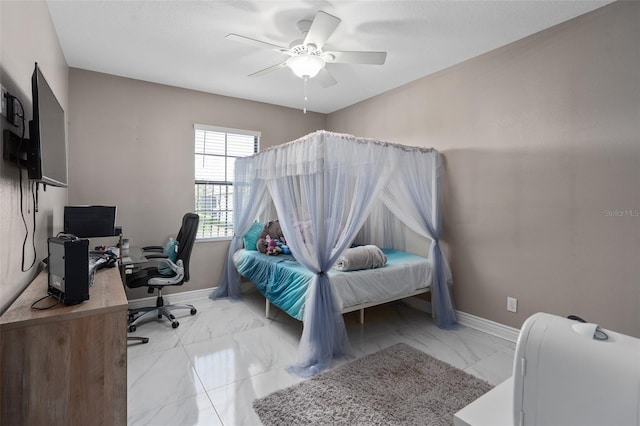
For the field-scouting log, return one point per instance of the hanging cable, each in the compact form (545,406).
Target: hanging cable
(21,185)
(34,196)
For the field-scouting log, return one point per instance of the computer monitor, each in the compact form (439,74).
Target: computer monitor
(90,221)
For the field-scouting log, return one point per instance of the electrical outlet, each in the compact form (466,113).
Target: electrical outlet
(512,304)
(3,92)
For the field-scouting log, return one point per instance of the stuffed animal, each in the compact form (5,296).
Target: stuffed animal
(282,243)
(272,246)
(273,230)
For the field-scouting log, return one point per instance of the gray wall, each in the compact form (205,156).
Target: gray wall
(27,36)
(131,145)
(541,139)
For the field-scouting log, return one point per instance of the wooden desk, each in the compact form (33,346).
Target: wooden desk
(66,365)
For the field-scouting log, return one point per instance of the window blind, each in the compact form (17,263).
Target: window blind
(216,150)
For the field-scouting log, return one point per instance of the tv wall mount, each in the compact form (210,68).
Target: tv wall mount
(14,148)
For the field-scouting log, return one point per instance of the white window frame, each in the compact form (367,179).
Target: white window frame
(229,182)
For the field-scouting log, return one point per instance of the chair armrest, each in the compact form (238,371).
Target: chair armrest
(155,256)
(153,248)
(152,252)
(178,268)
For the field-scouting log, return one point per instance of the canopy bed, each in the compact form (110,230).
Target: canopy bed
(324,187)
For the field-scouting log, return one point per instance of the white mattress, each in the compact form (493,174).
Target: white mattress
(402,276)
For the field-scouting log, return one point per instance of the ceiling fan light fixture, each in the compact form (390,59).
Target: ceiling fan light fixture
(306,65)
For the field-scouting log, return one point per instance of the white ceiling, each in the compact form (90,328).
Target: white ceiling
(182,43)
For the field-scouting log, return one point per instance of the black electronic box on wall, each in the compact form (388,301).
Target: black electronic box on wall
(68,269)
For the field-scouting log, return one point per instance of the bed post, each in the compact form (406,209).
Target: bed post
(266,308)
(361,316)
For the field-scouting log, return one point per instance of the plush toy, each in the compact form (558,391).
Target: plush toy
(272,246)
(273,230)
(282,243)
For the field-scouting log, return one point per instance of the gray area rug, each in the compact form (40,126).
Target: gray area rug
(398,385)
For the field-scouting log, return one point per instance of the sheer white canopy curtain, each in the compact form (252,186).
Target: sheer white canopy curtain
(413,196)
(323,187)
(249,199)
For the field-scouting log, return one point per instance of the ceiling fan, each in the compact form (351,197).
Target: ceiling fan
(307,59)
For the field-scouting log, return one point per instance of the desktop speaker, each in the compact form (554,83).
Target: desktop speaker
(68,269)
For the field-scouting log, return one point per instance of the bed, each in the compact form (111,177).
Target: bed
(284,282)
(323,188)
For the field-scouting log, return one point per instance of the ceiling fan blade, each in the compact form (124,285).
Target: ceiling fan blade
(371,58)
(325,78)
(258,43)
(269,70)
(322,27)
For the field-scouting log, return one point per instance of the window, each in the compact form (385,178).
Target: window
(216,150)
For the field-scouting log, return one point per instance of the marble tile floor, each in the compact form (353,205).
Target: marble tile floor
(210,369)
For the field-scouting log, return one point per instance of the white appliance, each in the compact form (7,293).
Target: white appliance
(565,373)
(571,373)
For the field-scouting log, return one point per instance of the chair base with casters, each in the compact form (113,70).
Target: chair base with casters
(159,311)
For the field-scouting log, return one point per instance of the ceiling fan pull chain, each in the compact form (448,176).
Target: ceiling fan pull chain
(306,78)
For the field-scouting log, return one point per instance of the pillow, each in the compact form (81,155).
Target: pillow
(251,238)
(171,251)
(361,257)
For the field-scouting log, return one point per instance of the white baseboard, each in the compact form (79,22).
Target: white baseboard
(471,321)
(468,320)
(488,326)
(175,298)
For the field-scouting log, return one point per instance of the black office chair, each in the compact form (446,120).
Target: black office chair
(150,276)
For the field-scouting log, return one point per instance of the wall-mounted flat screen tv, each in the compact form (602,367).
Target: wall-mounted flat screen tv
(47,151)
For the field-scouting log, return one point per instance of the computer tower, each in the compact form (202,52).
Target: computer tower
(68,269)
